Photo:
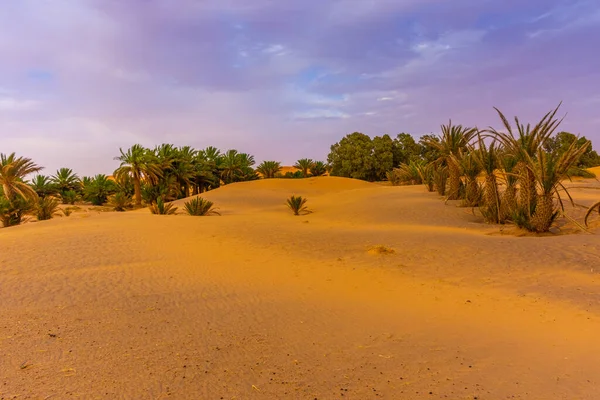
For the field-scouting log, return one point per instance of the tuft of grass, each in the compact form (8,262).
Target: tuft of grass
(200,207)
(297,204)
(160,208)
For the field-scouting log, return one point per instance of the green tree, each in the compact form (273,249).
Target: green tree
(405,149)
(383,157)
(352,157)
(563,140)
(140,164)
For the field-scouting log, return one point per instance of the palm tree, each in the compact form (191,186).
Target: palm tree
(549,170)
(471,170)
(451,146)
(524,146)
(487,159)
(66,182)
(318,168)
(269,169)
(43,186)
(99,189)
(13,170)
(140,164)
(304,164)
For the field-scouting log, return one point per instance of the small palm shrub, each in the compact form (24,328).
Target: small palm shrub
(69,197)
(393,178)
(12,213)
(319,168)
(200,207)
(119,201)
(161,208)
(269,169)
(427,173)
(297,204)
(46,208)
(406,174)
(590,211)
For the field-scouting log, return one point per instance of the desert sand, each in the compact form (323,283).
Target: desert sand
(381,292)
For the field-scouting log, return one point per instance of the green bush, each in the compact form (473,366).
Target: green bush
(200,207)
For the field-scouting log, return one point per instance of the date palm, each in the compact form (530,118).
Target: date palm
(318,168)
(304,165)
(66,181)
(13,171)
(43,186)
(523,143)
(141,165)
(269,169)
(451,146)
(549,169)
(487,159)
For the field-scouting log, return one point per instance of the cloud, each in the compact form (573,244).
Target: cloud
(281,79)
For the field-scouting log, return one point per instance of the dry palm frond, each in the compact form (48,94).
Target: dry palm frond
(590,211)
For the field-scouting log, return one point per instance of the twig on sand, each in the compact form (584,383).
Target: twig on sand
(255,388)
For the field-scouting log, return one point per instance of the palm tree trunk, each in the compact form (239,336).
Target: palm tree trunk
(454,182)
(544,213)
(527,192)
(137,187)
(491,198)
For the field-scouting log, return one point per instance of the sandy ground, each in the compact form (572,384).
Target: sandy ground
(259,304)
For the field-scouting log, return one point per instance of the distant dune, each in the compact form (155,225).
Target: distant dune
(380,292)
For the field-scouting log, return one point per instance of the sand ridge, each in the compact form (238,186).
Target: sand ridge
(261,304)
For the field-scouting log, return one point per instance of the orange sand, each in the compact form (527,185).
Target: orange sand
(259,304)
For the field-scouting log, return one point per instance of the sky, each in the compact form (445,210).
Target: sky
(283,79)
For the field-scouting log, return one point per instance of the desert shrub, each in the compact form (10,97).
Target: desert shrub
(293,175)
(297,204)
(200,207)
(407,174)
(161,208)
(120,201)
(46,208)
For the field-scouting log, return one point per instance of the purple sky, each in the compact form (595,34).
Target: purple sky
(282,79)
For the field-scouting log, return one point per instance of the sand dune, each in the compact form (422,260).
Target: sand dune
(259,304)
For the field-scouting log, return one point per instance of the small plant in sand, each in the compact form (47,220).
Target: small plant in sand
(380,249)
(46,208)
(161,208)
(297,204)
(200,207)
(119,201)
(595,206)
